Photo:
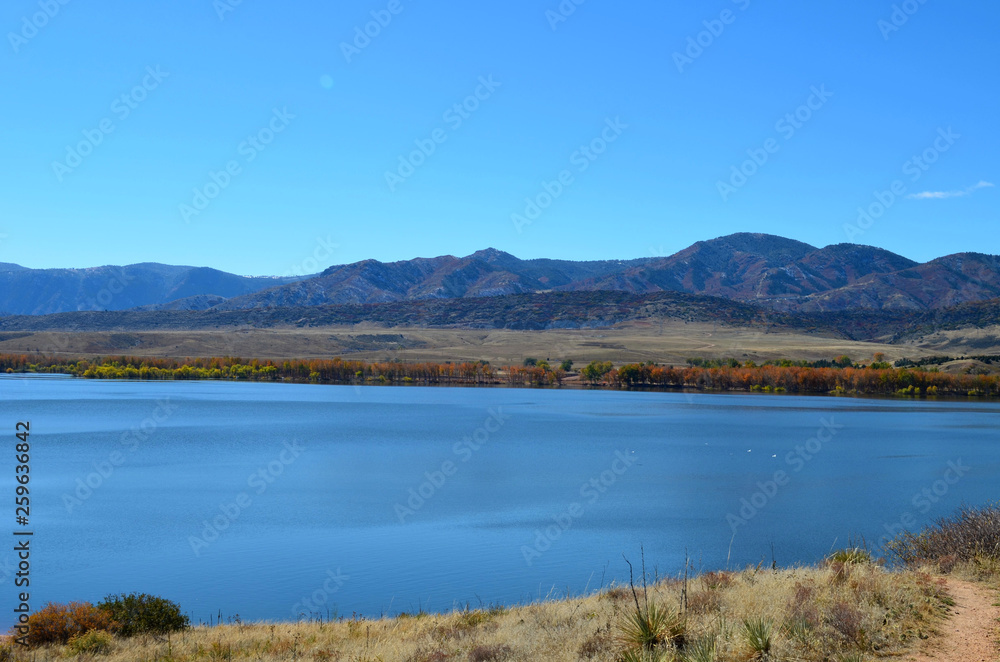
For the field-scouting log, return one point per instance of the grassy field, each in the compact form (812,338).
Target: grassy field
(670,343)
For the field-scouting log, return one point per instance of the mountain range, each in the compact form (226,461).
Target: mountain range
(26,291)
(768,271)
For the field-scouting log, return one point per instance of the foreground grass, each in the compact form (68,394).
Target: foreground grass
(847,609)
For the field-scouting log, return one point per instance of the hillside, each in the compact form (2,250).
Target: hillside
(46,291)
(945,282)
(551,310)
(544,311)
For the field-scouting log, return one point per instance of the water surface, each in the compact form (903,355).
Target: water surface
(525,492)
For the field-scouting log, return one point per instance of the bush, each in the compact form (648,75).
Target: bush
(493,653)
(95,642)
(138,613)
(595,370)
(599,645)
(58,623)
(855,555)
(969,534)
(848,620)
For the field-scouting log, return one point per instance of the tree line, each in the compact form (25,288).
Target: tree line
(323,371)
(844,376)
(877,378)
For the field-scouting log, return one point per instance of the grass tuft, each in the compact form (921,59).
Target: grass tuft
(851,555)
(633,655)
(702,650)
(655,628)
(759,634)
(494,653)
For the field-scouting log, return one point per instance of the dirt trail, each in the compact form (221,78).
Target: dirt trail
(971,632)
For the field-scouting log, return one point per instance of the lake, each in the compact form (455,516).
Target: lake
(272,500)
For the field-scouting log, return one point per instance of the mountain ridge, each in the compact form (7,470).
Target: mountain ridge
(775,272)
(766,270)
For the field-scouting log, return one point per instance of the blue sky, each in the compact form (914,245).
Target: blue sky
(614,130)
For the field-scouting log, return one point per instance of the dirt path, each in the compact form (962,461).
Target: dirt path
(971,632)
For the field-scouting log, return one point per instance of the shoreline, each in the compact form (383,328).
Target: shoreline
(566,384)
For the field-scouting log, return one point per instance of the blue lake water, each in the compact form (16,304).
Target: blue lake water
(269,500)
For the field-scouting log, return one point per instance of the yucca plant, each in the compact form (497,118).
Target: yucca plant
(653,628)
(633,655)
(759,633)
(853,555)
(702,650)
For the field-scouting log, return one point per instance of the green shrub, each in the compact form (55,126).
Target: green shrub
(138,613)
(95,642)
(855,555)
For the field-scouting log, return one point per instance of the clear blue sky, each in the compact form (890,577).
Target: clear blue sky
(225,68)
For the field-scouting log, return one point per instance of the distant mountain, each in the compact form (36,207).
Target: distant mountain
(765,269)
(484,273)
(941,283)
(44,291)
(734,267)
(771,271)
(768,271)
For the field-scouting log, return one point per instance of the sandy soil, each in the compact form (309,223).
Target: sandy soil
(971,632)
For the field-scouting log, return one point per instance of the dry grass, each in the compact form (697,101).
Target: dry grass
(823,613)
(673,343)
